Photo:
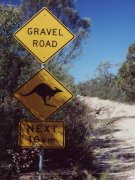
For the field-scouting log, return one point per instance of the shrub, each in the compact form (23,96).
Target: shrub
(79,124)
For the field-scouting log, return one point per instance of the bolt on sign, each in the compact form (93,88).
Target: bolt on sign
(43,35)
(47,134)
(43,94)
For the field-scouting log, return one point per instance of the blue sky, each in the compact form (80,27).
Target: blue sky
(112,32)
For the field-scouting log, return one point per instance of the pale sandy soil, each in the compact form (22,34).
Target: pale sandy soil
(114,152)
(121,150)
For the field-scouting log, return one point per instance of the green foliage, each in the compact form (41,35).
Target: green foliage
(16,67)
(126,76)
(115,92)
(62,75)
(100,85)
(107,86)
(79,125)
(13,73)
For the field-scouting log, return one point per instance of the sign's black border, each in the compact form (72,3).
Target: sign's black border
(45,147)
(56,80)
(31,20)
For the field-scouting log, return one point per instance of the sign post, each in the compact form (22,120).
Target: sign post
(45,134)
(43,36)
(41,154)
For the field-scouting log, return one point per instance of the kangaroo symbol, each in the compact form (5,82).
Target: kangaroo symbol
(44,91)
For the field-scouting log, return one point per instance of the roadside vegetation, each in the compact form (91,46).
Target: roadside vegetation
(106,85)
(16,67)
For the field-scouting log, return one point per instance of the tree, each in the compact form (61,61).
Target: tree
(65,11)
(100,85)
(105,77)
(126,76)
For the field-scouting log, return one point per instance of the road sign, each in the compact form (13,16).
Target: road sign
(47,134)
(43,94)
(43,35)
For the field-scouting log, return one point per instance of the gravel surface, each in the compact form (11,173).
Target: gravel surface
(115,153)
(119,155)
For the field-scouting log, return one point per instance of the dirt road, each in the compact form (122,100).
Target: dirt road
(119,153)
(115,152)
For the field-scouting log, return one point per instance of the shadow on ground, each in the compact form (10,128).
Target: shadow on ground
(113,155)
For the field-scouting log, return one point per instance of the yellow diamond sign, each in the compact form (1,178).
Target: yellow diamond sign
(43,94)
(48,134)
(44,35)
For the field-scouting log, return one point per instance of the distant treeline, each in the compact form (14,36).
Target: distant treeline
(106,85)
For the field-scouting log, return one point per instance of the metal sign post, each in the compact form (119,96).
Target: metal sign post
(41,154)
(43,36)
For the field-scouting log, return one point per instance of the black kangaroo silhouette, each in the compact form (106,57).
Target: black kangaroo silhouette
(44,91)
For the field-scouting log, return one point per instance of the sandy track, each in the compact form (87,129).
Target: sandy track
(120,150)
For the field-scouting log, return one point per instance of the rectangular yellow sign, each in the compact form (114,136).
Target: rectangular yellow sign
(48,134)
